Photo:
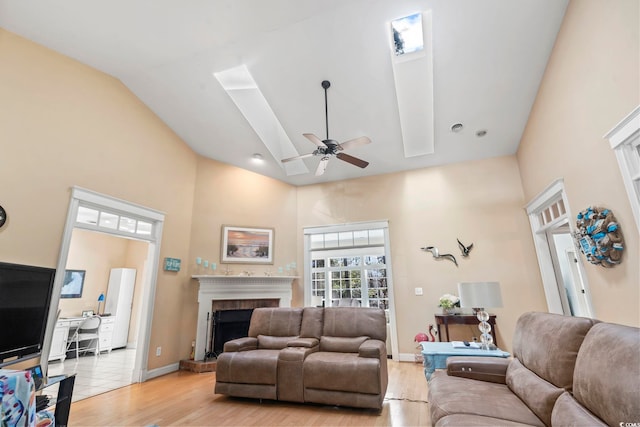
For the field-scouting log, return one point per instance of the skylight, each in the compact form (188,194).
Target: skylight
(407,34)
(411,54)
(245,93)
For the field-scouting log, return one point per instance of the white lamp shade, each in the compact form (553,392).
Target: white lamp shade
(480,294)
(316,301)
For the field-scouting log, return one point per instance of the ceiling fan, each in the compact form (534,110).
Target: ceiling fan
(330,148)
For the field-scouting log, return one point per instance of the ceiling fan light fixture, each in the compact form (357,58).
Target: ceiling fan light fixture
(328,148)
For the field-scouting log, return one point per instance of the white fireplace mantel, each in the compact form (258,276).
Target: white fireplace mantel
(219,287)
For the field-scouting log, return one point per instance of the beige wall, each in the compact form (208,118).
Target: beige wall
(592,81)
(64,124)
(478,202)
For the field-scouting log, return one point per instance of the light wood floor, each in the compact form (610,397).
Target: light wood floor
(187,399)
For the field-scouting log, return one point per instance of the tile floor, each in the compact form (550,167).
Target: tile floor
(95,374)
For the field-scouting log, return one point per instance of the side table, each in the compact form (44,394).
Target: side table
(463,319)
(435,355)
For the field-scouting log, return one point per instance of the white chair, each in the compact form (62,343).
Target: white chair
(87,334)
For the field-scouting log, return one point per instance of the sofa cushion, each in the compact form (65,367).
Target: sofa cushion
(342,372)
(341,344)
(568,412)
(538,394)
(354,322)
(312,322)
(303,342)
(454,395)
(277,322)
(607,373)
(466,420)
(547,344)
(274,343)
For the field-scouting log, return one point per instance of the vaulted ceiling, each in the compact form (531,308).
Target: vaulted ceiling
(482,70)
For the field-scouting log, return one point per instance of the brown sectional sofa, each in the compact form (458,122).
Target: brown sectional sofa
(332,356)
(565,371)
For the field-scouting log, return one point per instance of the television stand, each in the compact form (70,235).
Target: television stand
(62,401)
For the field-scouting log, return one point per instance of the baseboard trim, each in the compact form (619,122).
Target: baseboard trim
(409,357)
(158,372)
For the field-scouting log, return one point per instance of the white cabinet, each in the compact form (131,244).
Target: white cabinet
(59,342)
(119,303)
(106,333)
(60,339)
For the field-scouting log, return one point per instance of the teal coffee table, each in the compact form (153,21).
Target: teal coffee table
(435,355)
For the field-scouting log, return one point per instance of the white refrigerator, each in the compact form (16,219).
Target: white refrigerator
(119,303)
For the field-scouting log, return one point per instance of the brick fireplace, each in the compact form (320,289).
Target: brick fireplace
(236,292)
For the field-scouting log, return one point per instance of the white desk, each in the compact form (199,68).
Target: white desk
(66,327)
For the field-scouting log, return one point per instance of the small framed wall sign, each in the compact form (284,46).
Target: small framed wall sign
(172,264)
(247,245)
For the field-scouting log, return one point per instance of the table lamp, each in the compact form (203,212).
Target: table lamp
(316,301)
(100,300)
(479,296)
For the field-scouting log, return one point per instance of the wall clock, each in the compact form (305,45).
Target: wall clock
(3,216)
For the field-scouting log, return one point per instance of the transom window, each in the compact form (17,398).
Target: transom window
(99,219)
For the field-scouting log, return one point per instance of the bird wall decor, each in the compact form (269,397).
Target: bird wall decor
(465,249)
(436,254)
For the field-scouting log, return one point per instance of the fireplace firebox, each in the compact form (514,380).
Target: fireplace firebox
(228,325)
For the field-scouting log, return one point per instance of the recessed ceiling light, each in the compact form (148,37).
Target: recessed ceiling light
(457,127)
(481,133)
(257,158)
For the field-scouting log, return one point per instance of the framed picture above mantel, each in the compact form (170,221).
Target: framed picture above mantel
(247,245)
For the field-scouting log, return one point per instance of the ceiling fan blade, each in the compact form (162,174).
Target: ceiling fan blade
(353,160)
(322,166)
(311,137)
(356,142)
(290,159)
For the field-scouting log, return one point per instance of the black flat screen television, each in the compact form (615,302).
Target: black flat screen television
(25,297)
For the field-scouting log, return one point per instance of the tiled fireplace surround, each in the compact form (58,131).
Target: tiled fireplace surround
(231,292)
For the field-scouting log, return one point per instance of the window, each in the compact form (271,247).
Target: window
(625,141)
(358,275)
(90,218)
(349,264)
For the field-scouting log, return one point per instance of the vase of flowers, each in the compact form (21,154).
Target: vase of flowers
(449,303)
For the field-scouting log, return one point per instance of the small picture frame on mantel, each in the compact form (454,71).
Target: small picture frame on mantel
(247,245)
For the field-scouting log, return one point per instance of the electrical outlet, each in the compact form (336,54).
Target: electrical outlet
(158,351)
(418,291)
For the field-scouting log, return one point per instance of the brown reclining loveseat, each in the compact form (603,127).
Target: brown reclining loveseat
(332,356)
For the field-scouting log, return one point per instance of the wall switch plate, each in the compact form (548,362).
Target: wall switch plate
(158,351)
(418,291)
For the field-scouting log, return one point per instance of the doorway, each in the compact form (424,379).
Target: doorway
(568,276)
(350,264)
(92,211)
(563,278)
